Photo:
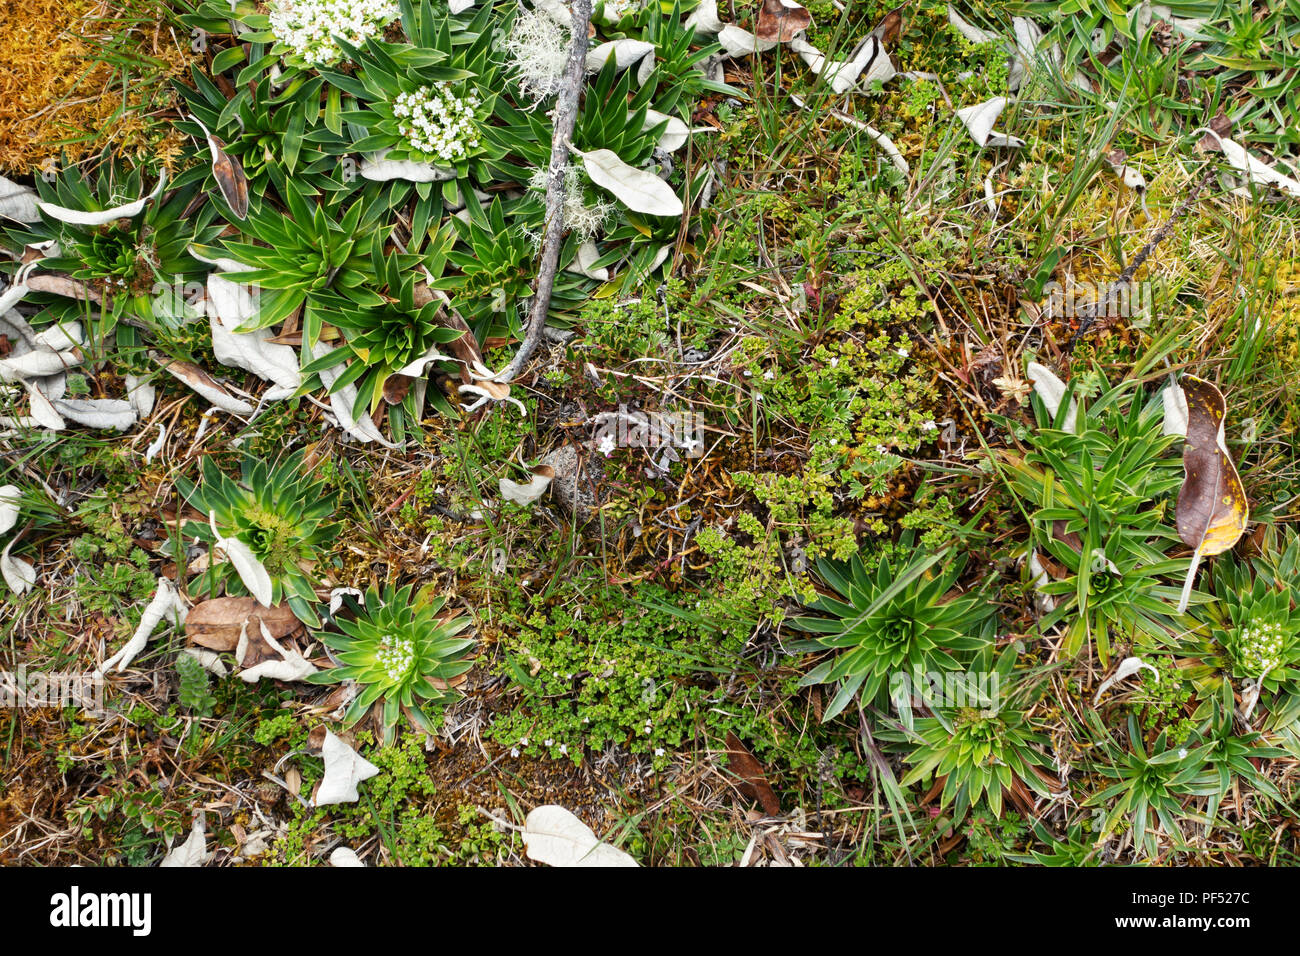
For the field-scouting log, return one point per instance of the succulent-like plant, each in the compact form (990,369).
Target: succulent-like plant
(898,618)
(127,260)
(382,340)
(404,655)
(1098,480)
(280,513)
(310,257)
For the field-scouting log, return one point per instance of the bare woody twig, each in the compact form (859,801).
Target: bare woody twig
(565,117)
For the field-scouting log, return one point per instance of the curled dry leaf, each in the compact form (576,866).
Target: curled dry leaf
(1130,177)
(17,202)
(80,217)
(1212,511)
(209,660)
(65,286)
(584,263)
(291,666)
(229,305)
(749,776)
(19,575)
(704,18)
(1052,390)
(344,769)
(526,494)
(637,189)
(979,120)
(10,497)
(165,605)
(141,394)
(740,42)
(37,363)
(227,172)
(217,623)
(1127,668)
(554,836)
(194,851)
(781,20)
(869,62)
(381,169)
(204,384)
(43,411)
(342,855)
(625,53)
(968,30)
(1254,169)
(112,413)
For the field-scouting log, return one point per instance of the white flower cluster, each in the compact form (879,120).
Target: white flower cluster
(309,26)
(1259,648)
(396,656)
(437,122)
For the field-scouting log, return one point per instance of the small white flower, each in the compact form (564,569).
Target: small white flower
(607,445)
(769,375)
(903,353)
(929,426)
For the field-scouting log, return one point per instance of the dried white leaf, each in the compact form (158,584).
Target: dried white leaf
(221,262)
(61,338)
(141,394)
(342,855)
(1127,668)
(971,32)
(205,385)
(380,169)
(675,134)
(291,666)
(38,363)
(362,427)
(17,202)
(554,836)
(1051,390)
(250,570)
(229,306)
(115,413)
(79,217)
(156,445)
(344,769)
(10,496)
(193,852)
(584,263)
(1038,576)
(740,42)
(527,493)
(43,411)
(1254,169)
(979,120)
(1174,401)
(18,574)
(843,75)
(337,595)
(459,6)
(625,52)
(637,189)
(166,604)
(209,660)
(704,18)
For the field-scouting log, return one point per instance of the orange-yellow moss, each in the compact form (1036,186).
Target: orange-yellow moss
(53,90)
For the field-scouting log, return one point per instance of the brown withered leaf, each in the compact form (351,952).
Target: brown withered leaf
(63,285)
(890,26)
(1212,512)
(750,778)
(216,624)
(780,20)
(1222,125)
(396,387)
(230,178)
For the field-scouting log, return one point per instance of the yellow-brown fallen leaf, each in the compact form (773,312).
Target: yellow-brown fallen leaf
(1212,512)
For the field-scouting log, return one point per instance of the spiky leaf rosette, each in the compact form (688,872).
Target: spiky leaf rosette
(280,513)
(892,619)
(402,656)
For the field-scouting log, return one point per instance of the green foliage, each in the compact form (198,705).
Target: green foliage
(1099,494)
(194,694)
(403,655)
(898,617)
(280,512)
